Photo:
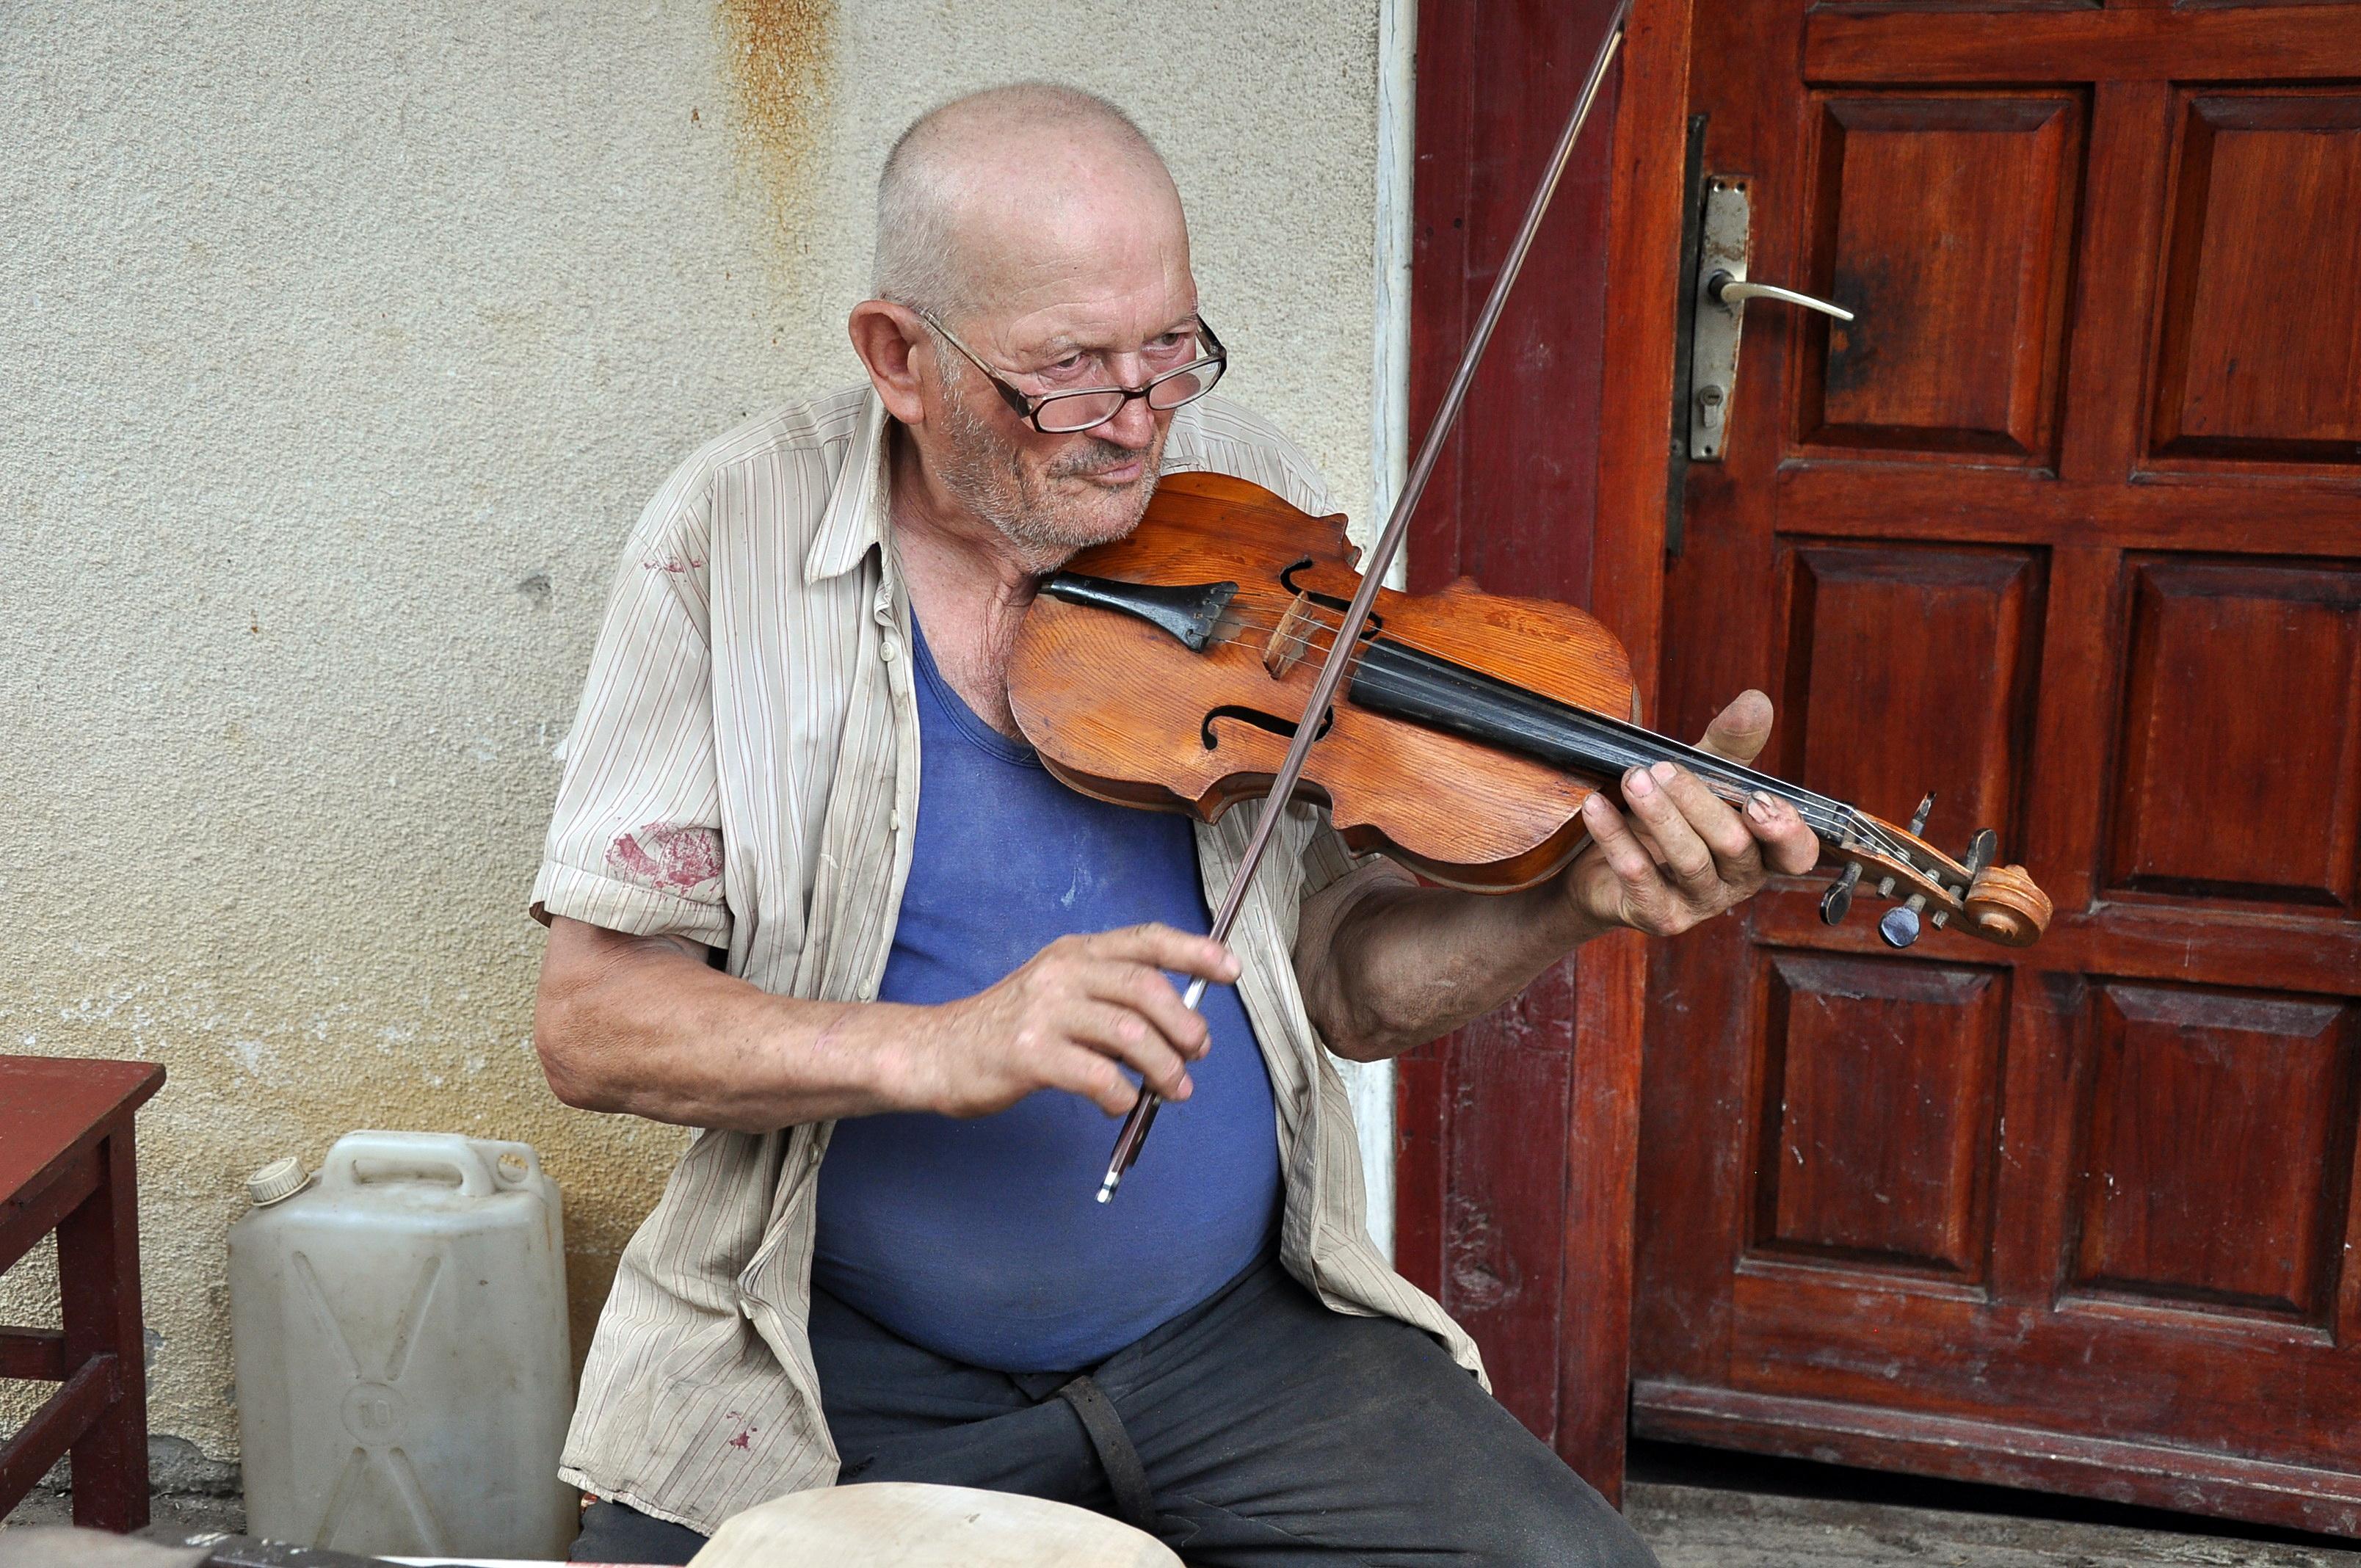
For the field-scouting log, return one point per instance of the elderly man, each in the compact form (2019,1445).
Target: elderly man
(810,891)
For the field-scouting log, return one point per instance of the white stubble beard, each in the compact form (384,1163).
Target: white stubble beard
(986,475)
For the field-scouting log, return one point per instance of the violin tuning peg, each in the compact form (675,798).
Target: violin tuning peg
(1918,817)
(1981,851)
(1837,903)
(1899,925)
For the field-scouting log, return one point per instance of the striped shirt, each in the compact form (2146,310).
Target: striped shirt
(743,770)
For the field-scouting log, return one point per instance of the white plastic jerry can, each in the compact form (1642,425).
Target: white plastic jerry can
(404,1371)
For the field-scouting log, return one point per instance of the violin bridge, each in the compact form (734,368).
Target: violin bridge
(1290,639)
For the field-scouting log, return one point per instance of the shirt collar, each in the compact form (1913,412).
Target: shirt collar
(855,519)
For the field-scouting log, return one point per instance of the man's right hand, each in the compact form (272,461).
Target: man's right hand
(1065,1020)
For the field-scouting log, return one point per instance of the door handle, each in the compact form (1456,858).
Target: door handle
(1728,289)
(1718,304)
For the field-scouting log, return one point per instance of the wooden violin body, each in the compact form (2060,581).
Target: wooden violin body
(1122,709)
(1170,670)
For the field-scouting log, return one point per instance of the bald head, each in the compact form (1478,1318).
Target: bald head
(1040,230)
(995,193)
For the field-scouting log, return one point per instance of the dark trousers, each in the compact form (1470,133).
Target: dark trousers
(1257,1430)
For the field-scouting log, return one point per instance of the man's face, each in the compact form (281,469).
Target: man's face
(1103,298)
(1054,495)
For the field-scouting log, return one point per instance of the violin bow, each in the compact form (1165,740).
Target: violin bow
(1373,572)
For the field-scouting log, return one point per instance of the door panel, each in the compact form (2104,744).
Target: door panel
(2244,287)
(2065,527)
(1879,1100)
(2217,1134)
(1504,1220)
(2279,734)
(1958,352)
(1852,606)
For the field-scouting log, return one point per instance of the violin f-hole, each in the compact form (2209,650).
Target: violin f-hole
(1375,624)
(1283,727)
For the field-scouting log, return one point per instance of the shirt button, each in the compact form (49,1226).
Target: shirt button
(869,991)
(890,649)
(894,820)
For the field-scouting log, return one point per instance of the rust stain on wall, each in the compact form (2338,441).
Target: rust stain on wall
(780,54)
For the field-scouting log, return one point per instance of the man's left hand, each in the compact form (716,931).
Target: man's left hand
(1683,856)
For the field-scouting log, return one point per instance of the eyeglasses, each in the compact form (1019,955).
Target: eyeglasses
(1065,413)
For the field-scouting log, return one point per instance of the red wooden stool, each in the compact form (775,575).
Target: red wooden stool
(66,1165)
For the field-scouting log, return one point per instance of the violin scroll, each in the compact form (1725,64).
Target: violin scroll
(2007,907)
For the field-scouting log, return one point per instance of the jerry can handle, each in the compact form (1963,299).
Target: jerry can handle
(512,1164)
(409,1154)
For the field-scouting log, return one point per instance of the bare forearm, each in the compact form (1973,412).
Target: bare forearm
(1387,965)
(643,1027)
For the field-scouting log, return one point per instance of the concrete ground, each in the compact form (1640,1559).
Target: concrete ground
(1694,1527)
(190,1513)
(1700,1509)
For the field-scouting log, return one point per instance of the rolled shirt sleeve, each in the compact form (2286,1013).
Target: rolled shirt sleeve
(1328,860)
(635,841)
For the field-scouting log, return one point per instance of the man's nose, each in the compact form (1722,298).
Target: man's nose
(1134,426)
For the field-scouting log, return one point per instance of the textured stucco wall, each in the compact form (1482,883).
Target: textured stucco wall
(338,348)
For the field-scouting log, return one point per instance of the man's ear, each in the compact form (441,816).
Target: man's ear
(887,337)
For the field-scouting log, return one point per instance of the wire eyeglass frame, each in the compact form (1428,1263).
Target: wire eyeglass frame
(1028,408)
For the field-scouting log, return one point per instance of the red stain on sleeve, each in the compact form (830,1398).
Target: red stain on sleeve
(745,1439)
(669,859)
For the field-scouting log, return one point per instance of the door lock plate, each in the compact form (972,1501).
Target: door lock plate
(1725,242)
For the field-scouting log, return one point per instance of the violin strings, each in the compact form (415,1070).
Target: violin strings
(1837,815)
(1825,824)
(1729,790)
(1829,820)
(1832,820)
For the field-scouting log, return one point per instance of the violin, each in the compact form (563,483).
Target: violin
(1467,732)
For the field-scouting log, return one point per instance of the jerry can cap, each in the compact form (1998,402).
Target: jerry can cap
(278,1181)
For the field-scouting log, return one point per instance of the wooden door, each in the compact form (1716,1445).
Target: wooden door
(2066,527)
(1515,1166)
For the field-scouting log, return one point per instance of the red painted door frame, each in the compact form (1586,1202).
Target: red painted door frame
(1516,1135)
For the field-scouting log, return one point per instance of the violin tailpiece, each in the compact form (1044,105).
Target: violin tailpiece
(1189,613)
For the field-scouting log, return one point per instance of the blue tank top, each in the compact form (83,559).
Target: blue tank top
(982,1240)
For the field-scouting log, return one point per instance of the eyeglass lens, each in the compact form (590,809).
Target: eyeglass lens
(1081,410)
